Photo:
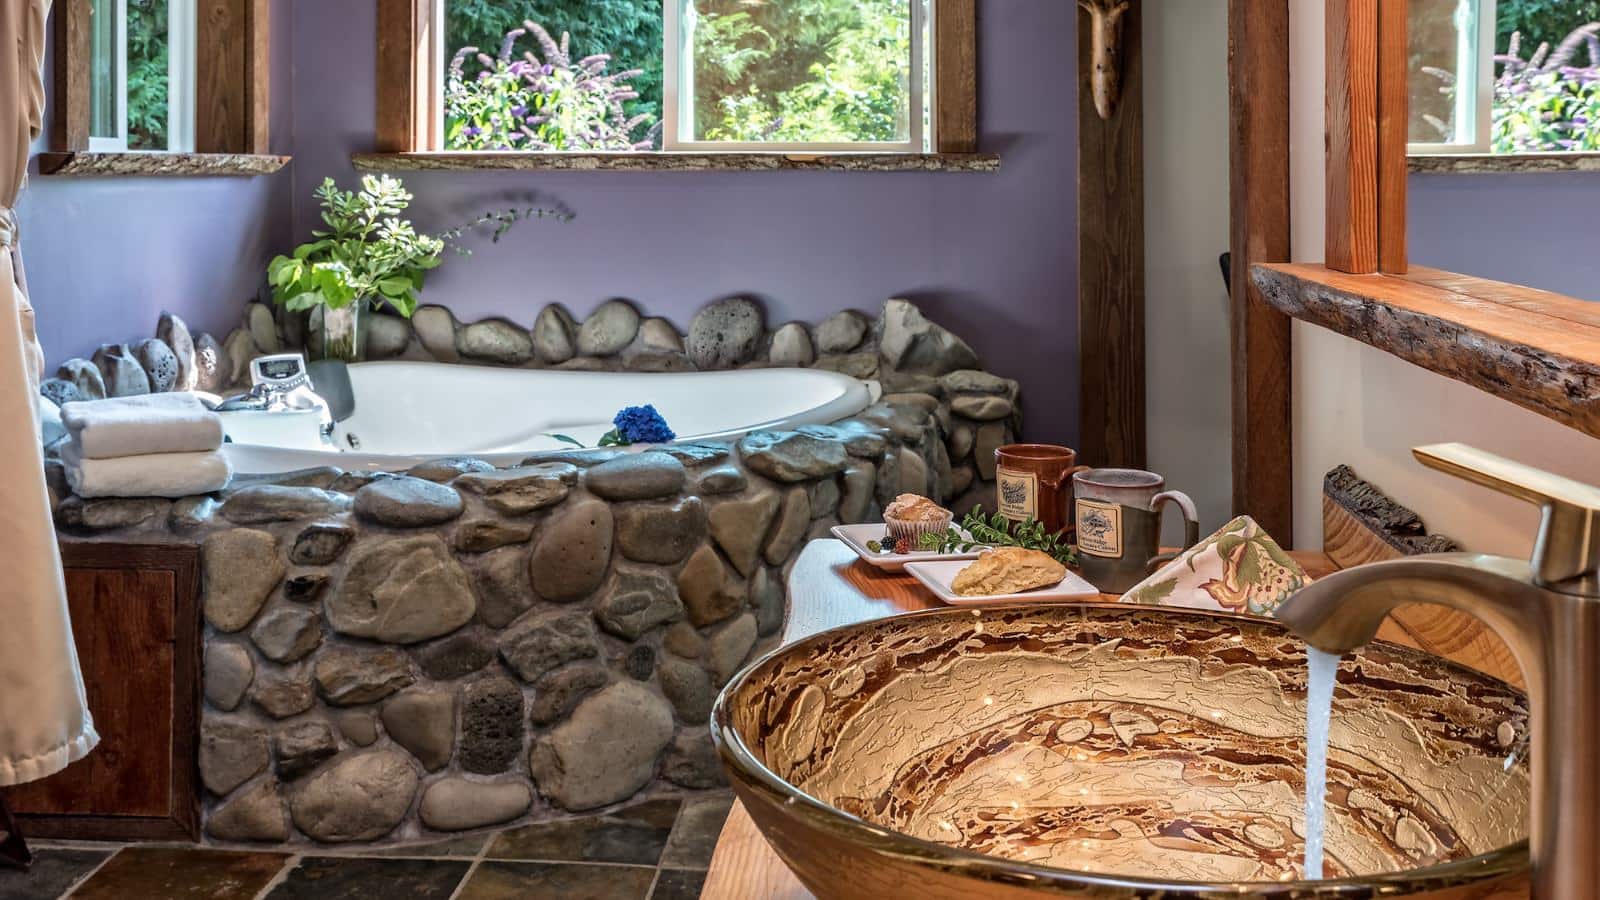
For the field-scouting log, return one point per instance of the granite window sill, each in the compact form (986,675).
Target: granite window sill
(677,162)
(1533,348)
(1501,163)
(145,165)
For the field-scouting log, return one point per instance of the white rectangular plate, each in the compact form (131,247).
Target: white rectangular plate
(856,537)
(937,576)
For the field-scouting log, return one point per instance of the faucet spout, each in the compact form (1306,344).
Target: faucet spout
(1555,638)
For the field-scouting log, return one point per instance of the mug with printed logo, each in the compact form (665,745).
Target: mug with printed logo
(1118,515)
(1034,481)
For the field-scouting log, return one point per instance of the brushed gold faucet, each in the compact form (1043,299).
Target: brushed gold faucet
(1547,610)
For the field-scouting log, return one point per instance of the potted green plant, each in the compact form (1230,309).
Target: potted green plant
(367,256)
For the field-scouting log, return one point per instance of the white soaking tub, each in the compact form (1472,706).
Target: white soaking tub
(409,412)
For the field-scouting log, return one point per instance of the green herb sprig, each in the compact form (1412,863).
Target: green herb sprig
(977,532)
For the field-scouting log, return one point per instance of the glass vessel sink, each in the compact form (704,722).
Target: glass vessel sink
(1119,751)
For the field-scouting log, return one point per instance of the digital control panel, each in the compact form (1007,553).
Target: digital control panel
(283,372)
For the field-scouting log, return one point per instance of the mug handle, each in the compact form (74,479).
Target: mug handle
(1066,477)
(1191,525)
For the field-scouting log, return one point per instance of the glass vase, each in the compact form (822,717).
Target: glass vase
(341,333)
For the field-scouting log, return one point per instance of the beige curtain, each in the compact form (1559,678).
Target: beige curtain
(44,722)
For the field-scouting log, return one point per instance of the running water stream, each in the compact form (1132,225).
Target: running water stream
(1322,672)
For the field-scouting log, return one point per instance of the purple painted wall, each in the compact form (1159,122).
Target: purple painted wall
(1532,229)
(990,256)
(105,256)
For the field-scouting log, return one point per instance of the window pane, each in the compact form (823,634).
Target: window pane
(147,74)
(588,77)
(1547,95)
(104,77)
(1443,71)
(799,71)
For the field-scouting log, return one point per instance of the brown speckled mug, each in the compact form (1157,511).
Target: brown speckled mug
(1034,481)
(1118,514)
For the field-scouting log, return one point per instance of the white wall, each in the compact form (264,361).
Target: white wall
(1358,405)
(1188,410)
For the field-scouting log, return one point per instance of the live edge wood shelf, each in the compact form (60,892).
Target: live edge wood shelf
(137,629)
(1534,348)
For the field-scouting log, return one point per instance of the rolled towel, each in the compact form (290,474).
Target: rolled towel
(135,426)
(151,475)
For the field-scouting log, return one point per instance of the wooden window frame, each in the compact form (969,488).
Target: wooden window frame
(1534,348)
(410,62)
(231,104)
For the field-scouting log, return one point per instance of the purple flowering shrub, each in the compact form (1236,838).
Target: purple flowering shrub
(525,103)
(1546,103)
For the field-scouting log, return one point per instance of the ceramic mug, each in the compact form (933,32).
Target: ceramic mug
(1118,515)
(1034,481)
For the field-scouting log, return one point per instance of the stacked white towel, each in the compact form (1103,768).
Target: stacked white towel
(156,445)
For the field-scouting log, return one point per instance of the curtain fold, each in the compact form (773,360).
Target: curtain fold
(44,721)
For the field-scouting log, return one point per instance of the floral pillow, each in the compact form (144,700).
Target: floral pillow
(1239,569)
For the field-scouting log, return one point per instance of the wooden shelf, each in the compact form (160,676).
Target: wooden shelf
(1533,348)
(146,165)
(1501,163)
(676,162)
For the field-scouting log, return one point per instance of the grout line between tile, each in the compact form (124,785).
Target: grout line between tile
(289,865)
(73,887)
(473,868)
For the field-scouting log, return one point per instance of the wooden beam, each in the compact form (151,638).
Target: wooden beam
(1258,101)
(1111,259)
(955,94)
(410,76)
(69,125)
(1393,122)
(1352,123)
(233,76)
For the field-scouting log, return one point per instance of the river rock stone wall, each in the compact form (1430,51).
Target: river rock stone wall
(394,657)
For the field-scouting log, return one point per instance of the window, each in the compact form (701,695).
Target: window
(1504,76)
(751,76)
(187,81)
(141,82)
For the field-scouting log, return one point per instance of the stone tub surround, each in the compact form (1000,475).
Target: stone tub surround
(399,657)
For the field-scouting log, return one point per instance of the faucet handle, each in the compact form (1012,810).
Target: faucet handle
(1566,553)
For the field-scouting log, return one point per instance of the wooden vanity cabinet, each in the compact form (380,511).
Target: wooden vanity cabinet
(137,628)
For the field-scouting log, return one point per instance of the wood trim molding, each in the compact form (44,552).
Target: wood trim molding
(1258,100)
(410,76)
(955,94)
(69,127)
(675,162)
(1352,136)
(1501,163)
(1394,107)
(1111,358)
(1533,348)
(233,76)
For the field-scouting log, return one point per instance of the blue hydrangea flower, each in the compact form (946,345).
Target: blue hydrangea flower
(642,425)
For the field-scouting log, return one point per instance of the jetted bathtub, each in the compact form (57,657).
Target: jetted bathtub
(409,412)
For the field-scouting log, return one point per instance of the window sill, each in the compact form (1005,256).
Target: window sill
(1536,349)
(1501,163)
(159,164)
(677,162)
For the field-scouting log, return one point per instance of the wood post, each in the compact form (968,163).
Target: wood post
(1111,357)
(1258,100)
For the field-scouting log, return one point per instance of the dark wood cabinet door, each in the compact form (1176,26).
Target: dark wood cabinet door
(136,625)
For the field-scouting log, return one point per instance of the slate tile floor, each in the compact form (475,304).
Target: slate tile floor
(655,850)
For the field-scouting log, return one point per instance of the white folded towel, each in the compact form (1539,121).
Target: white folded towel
(151,475)
(135,426)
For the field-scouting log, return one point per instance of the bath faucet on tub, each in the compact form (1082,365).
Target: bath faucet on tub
(1548,613)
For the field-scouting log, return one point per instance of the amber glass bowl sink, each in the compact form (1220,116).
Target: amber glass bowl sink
(1119,751)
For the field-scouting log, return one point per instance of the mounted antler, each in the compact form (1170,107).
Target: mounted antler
(1105,18)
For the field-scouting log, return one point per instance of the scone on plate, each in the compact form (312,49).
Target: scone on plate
(910,516)
(1008,570)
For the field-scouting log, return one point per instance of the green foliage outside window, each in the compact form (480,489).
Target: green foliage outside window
(1541,21)
(147,74)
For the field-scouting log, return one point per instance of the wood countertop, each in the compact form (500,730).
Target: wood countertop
(828,588)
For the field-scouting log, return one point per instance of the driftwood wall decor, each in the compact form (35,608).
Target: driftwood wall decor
(1105,23)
